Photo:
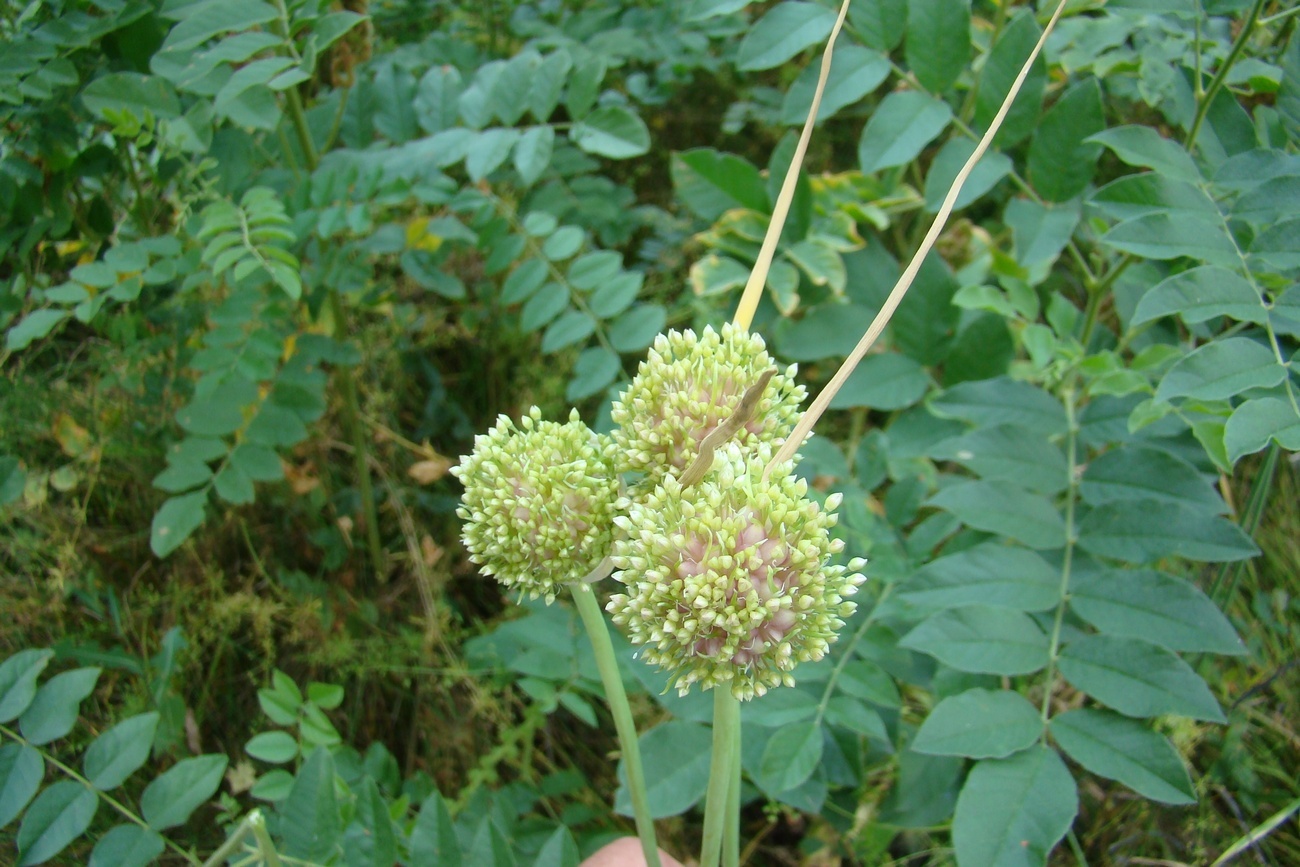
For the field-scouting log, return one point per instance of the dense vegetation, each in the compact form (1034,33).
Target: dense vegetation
(267,267)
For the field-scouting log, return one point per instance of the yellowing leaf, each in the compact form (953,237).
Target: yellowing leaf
(72,438)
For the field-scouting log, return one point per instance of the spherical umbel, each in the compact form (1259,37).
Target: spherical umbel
(729,582)
(688,386)
(538,504)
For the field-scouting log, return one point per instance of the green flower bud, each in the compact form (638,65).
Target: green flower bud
(729,582)
(688,386)
(538,504)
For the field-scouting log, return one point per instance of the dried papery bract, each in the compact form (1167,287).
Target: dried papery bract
(730,582)
(539,502)
(687,387)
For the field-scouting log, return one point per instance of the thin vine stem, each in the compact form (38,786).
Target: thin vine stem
(1054,647)
(616,697)
(1221,74)
(117,805)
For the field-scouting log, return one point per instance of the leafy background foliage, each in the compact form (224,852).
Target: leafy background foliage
(263,265)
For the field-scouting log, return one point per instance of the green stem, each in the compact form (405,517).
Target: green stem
(731,842)
(1054,648)
(616,697)
(121,808)
(726,738)
(1221,74)
(266,848)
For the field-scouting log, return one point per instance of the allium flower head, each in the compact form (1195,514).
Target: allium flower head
(539,502)
(729,581)
(689,385)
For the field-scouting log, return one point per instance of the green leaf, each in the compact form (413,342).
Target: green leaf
(885,382)
(1041,232)
(21,773)
(522,282)
(170,799)
(1149,193)
(1006,508)
(179,477)
(120,751)
(544,306)
(559,850)
(900,128)
(710,183)
(988,574)
(1279,244)
(258,463)
(127,846)
(13,479)
(979,724)
(1221,369)
(880,24)
(203,20)
(325,695)
(33,326)
(1137,679)
(702,10)
(938,43)
(1259,421)
(612,131)
(310,813)
(783,32)
(584,84)
(616,295)
(1009,453)
(926,320)
(131,92)
(53,712)
(592,270)
(791,756)
(1062,159)
(567,330)
(826,331)
(1143,531)
(547,84)
(676,757)
(1143,146)
(637,328)
(981,639)
(1000,401)
(433,838)
(436,100)
(59,815)
(234,486)
(855,72)
(854,715)
(1155,607)
(1288,92)
(991,168)
(275,748)
(1199,294)
(1163,235)
(1138,473)
(370,838)
(490,846)
(1001,67)
(1013,811)
(533,153)
(563,243)
(489,151)
(1122,749)
(595,368)
(18,676)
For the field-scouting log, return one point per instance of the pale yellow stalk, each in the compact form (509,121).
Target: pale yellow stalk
(758,277)
(814,412)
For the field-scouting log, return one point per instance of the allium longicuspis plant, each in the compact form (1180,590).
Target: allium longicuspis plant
(690,599)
